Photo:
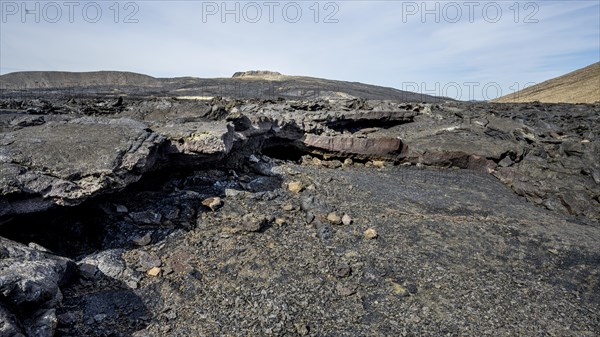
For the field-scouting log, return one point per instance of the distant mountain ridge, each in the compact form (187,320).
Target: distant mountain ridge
(61,79)
(579,86)
(258,84)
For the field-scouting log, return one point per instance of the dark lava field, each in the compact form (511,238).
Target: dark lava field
(157,216)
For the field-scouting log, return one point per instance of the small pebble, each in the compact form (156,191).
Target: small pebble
(334,219)
(153,271)
(399,290)
(379,163)
(133,284)
(213,203)
(143,240)
(370,234)
(295,186)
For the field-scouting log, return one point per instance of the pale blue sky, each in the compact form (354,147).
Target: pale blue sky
(386,43)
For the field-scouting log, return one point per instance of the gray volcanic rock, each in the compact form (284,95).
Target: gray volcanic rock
(8,324)
(64,163)
(29,284)
(543,156)
(209,138)
(376,147)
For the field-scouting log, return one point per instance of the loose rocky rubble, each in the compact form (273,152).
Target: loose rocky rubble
(275,217)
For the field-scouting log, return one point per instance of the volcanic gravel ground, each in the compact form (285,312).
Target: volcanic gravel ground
(456,253)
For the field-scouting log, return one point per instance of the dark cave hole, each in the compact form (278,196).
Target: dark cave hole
(64,231)
(286,152)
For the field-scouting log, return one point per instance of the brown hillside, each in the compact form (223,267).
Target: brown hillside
(579,86)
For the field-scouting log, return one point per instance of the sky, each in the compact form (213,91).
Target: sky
(459,49)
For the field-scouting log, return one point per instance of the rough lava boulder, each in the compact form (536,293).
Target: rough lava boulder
(66,162)
(30,280)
